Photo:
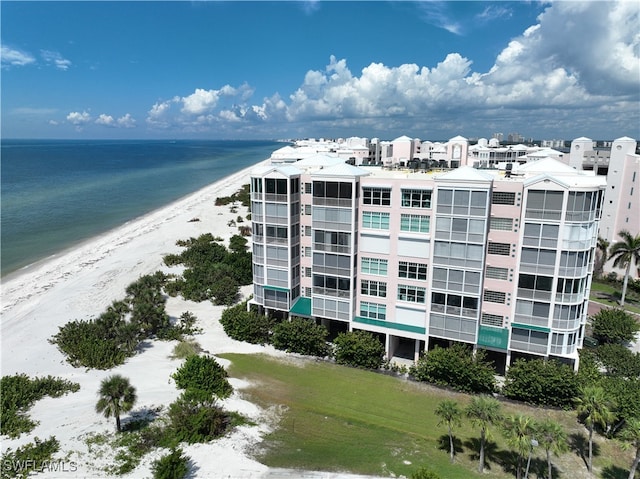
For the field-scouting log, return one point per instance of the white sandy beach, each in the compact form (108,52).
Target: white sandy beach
(80,284)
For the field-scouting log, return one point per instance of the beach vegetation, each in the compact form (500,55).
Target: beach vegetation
(541,382)
(483,411)
(424,473)
(107,341)
(614,326)
(19,392)
(519,431)
(595,409)
(116,396)
(301,336)
(174,465)
(359,349)
(186,348)
(456,367)
(212,272)
(450,415)
(203,376)
(624,254)
(243,195)
(247,325)
(33,457)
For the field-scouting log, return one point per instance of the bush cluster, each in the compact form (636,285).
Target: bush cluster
(203,376)
(19,393)
(243,195)
(301,336)
(108,340)
(247,326)
(542,382)
(212,272)
(30,458)
(174,465)
(614,326)
(359,349)
(456,367)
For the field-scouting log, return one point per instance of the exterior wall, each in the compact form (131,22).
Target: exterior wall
(500,263)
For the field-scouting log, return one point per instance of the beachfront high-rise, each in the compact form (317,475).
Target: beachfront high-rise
(500,259)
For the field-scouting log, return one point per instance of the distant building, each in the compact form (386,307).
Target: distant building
(500,259)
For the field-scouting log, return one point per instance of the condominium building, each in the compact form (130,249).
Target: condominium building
(499,260)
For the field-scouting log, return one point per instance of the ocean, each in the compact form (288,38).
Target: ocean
(58,193)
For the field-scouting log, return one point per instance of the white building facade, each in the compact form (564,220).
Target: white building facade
(500,261)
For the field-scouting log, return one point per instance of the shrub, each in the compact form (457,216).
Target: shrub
(205,375)
(614,326)
(301,336)
(248,326)
(30,458)
(540,382)
(184,349)
(192,420)
(360,349)
(174,465)
(619,360)
(19,392)
(424,473)
(456,367)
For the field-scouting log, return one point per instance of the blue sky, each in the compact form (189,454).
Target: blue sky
(431,70)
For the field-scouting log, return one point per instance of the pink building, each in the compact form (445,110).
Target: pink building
(498,260)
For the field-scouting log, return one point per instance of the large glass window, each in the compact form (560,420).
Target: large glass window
(413,294)
(373,311)
(373,288)
(376,196)
(275,186)
(332,189)
(375,220)
(412,270)
(414,223)
(416,198)
(374,266)
(544,204)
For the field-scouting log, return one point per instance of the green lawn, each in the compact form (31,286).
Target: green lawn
(609,294)
(336,418)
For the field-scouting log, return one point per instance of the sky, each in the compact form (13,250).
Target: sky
(319,69)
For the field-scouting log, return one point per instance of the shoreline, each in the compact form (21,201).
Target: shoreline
(98,247)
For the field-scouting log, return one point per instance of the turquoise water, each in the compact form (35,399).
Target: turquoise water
(56,194)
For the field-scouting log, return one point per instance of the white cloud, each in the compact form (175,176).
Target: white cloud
(127,121)
(13,57)
(566,63)
(436,13)
(78,119)
(55,59)
(106,120)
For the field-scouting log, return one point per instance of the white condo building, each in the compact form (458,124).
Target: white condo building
(499,259)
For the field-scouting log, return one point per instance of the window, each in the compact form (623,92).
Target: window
(538,283)
(278,232)
(307,188)
(503,249)
(414,223)
(462,202)
(275,186)
(544,257)
(332,189)
(456,279)
(542,204)
(413,294)
(502,224)
(331,285)
(491,320)
(416,198)
(454,304)
(503,198)
(307,271)
(412,270)
(494,296)
(373,288)
(307,251)
(375,220)
(306,209)
(374,266)
(376,196)
(497,273)
(373,311)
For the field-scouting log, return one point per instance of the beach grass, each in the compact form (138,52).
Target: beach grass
(336,418)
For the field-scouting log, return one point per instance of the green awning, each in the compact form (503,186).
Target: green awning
(276,288)
(493,337)
(530,327)
(302,307)
(385,324)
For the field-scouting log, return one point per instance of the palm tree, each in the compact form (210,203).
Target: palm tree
(117,395)
(595,409)
(553,439)
(449,414)
(483,412)
(624,253)
(519,430)
(602,249)
(631,435)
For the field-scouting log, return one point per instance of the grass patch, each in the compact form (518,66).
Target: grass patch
(609,294)
(335,418)
(184,349)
